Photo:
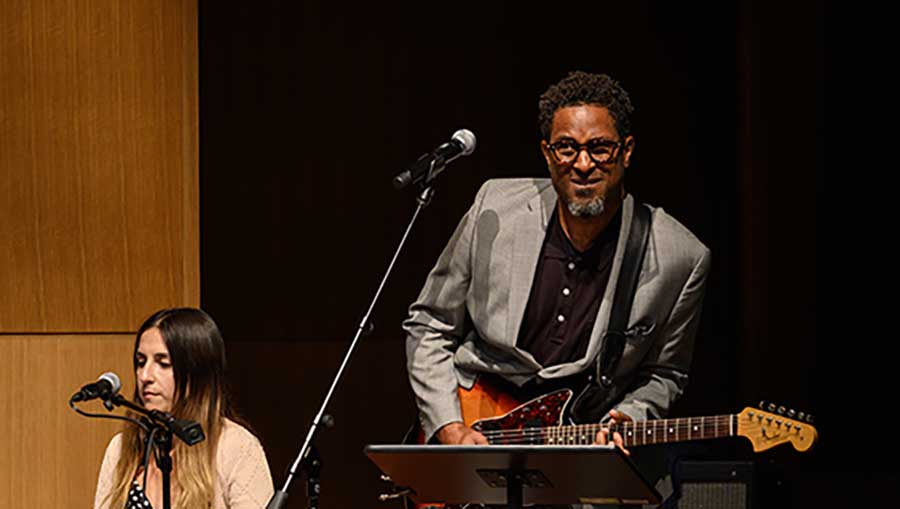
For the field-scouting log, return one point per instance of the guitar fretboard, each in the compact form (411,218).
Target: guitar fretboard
(658,431)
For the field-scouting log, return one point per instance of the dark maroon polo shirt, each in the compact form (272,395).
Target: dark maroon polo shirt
(566,293)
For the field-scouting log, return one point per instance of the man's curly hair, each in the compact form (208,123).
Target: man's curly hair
(580,87)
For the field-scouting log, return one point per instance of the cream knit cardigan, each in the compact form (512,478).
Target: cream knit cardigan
(244,480)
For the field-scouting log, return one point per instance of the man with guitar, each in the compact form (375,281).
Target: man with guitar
(560,282)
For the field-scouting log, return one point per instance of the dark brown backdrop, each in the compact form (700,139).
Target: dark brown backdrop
(308,110)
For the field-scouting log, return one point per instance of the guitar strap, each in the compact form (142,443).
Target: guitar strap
(598,396)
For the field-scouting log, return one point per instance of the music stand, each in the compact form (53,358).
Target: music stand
(514,475)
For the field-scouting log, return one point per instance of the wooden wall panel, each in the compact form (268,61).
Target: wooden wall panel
(98,163)
(99,218)
(49,455)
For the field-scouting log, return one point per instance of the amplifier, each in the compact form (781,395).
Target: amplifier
(714,484)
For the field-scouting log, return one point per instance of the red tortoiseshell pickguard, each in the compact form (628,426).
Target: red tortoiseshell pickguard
(545,411)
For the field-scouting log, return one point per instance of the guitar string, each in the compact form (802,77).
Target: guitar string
(589,437)
(571,431)
(679,426)
(528,435)
(661,423)
(532,435)
(523,437)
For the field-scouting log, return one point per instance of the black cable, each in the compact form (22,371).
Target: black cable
(104,416)
(147,432)
(151,446)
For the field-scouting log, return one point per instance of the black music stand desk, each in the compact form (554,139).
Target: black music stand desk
(514,475)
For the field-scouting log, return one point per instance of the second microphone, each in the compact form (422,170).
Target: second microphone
(430,164)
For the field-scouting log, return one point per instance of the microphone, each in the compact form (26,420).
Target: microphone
(430,164)
(106,386)
(188,431)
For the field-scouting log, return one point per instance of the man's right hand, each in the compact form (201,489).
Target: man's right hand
(457,433)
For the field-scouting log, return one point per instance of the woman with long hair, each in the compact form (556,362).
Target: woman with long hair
(179,364)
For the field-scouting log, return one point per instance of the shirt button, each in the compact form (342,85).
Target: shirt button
(560,318)
(567,292)
(571,265)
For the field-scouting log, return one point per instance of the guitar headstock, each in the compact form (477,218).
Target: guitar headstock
(772,425)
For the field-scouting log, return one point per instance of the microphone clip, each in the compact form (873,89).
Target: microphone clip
(190,432)
(422,172)
(430,164)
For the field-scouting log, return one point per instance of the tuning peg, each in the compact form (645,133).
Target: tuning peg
(781,410)
(771,407)
(801,416)
(386,478)
(762,404)
(791,413)
(809,418)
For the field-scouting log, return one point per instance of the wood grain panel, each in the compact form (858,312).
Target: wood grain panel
(98,159)
(49,455)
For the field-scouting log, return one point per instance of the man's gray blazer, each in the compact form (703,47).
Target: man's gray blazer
(467,317)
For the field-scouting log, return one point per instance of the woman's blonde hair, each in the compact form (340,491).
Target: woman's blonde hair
(197,354)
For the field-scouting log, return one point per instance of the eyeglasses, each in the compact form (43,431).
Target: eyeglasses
(566,150)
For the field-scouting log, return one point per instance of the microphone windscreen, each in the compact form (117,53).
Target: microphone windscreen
(467,139)
(113,380)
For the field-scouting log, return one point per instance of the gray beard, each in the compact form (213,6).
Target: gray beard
(586,209)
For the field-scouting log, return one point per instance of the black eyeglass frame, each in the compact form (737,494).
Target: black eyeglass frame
(613,154)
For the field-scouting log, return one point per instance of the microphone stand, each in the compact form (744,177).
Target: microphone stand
(279,499)
(162,426)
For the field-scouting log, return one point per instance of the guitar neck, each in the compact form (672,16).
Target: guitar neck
(657,431)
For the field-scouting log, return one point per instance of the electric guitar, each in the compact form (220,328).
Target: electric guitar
(502,419)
